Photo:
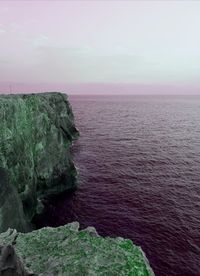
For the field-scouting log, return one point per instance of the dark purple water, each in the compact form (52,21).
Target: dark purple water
(139,172)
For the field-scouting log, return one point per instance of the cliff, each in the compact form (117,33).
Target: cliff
(66,251)
(36,131)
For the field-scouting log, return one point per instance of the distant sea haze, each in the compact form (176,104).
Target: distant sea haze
(101,88)
(138,160)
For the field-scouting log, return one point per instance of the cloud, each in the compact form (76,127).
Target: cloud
(84,64)
(2,30)
(40,41)
(4,61)
(3,9)
(43,63)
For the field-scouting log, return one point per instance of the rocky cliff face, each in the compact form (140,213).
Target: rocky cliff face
(11,210)
(36,131)
(66,251)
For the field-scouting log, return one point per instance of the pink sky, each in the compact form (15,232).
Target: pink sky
(100,46)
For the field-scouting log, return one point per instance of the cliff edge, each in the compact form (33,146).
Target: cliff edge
(66,251)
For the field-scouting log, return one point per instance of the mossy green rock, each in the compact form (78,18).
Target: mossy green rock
(67,251)
(36,131)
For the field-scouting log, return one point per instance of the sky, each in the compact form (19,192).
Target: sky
(100,46)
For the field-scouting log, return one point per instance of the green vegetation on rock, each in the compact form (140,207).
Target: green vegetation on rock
(36,131)
(67,251)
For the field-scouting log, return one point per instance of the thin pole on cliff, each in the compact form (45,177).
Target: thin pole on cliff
(10,86)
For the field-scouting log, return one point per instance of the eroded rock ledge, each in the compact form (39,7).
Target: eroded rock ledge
(36,131)
(66,251)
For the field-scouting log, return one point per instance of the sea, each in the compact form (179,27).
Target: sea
(138,162)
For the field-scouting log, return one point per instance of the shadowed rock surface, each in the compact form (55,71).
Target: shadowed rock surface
(69,252)
(36,131)
(11,210)
(10,264)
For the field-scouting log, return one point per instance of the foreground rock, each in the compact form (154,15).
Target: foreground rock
(10,264)
(36,131)
(67,251)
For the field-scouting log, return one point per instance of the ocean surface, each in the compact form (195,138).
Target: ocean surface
(138,159)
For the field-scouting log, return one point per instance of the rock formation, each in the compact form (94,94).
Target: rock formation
(11,210)
(36,131)
(66,251)
(10,264)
